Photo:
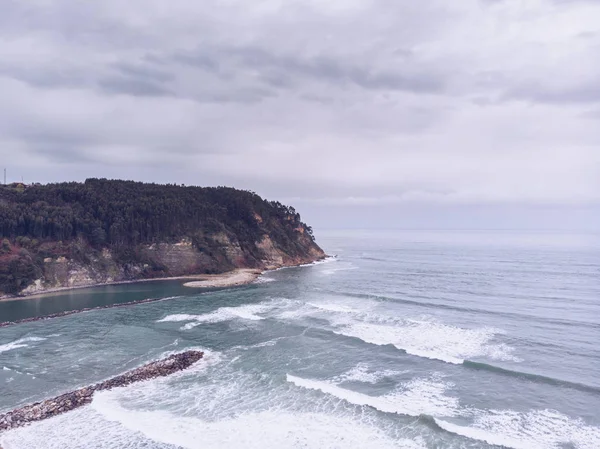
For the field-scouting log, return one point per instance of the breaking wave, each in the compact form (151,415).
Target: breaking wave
(414,398)
(536,429)
(245,312)
(20,343)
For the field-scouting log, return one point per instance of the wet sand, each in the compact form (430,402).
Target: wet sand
(233,278)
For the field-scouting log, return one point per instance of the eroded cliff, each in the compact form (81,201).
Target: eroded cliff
(70,235)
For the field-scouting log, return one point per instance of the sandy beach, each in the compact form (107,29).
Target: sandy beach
(240,276)
(233,278)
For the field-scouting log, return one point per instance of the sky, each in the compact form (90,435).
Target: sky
(360,113)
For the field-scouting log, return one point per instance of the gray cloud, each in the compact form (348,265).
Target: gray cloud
(588,92)
(349,102)
(136,86)
(279,69)
(144,71)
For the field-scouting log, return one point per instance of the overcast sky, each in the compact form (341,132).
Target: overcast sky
(390,113)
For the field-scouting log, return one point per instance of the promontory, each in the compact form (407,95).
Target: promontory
(105,231)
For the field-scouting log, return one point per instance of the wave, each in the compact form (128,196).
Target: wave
(431,339)
(273,429)
(425,399)
(417,397)
(531,377)
(246,312)
(20,343)
(435,305)
(536,429)
(335,269)
(327,259)
(361,373)
(424,337)
(332,307)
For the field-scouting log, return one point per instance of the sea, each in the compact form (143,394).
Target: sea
(404,339)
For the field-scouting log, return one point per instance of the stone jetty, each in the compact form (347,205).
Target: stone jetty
(85,309)
(69,401)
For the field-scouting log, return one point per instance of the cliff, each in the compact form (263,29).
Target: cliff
(102,231)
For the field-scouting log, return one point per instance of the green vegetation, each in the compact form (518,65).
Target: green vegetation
(76,219)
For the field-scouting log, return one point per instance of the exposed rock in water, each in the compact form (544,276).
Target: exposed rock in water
(70,401)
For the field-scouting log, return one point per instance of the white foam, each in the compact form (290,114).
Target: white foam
(428,339)
(245,312)
(262,279)
(266,429)
(80,428)
(325,308)
(331,271)
(333,307)
(21,343)
(537,429)
(361,373)
(419,396)
(178,317)
(328,259)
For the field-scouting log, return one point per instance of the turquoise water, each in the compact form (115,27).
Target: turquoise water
(406,340)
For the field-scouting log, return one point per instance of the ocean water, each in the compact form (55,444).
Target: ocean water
(470,340)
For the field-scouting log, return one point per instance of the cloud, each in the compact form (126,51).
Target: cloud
(135,86)
(348,102)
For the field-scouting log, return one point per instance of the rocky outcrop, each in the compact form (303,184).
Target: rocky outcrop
(70,401)
(163,260)
(105,231)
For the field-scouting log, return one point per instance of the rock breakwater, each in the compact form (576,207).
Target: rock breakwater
(72,400)
(85,309)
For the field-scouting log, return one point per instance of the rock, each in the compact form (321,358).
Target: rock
(69,401)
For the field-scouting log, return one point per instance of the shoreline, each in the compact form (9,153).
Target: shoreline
(234,278)
(66,402)
(240,276)
(204,281)
(55,290)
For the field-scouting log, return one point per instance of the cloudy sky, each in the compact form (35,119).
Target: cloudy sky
(384,113)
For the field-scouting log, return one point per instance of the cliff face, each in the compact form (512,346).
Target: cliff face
(104,241)
(173,259)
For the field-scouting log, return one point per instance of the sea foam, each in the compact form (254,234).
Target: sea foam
(21,343)
(432,340)
(425,337)
(245,312)
(362,373)
(414,398)
(536,429)
(266,429)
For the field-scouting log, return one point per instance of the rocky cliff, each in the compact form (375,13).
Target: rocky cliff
(70,235)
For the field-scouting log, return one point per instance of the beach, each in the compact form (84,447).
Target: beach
(232,278)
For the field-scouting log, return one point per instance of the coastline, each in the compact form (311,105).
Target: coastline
(206,279)
(234,278)
(231,278)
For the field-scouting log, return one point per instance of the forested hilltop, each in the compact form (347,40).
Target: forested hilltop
(71,234)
